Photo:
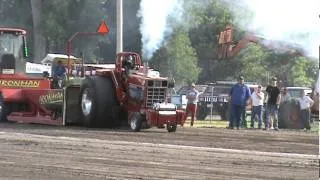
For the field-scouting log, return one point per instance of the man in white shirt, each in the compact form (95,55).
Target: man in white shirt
(305,103)
(257,99)
(192,97)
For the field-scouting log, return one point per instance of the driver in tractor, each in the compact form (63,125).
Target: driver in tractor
(58,75)
(128,64)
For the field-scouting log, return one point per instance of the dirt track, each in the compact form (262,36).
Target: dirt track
(47,152)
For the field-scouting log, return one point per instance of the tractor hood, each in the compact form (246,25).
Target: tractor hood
(152,75)
(101,66)
(139,78)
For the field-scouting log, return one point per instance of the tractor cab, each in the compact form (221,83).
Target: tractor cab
(128,62)
(13,51)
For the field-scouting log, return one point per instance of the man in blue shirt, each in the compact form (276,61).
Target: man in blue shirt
(58,74)
(60,70)
(240,95)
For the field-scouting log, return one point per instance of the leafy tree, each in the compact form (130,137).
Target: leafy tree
(303,72)
(56,21)
(69,17)
(131,34)
(183,58)
(252,64)
(208,19)
(16,14)
(177,59)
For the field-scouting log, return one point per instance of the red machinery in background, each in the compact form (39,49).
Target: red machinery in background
(229,48)
(19,92)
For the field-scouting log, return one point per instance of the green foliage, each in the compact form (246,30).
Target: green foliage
(183,58)
(254,67)
(178,59)
(209,18)
(60,20)
(16,13)
(188,55)
(303,72)
(69,17)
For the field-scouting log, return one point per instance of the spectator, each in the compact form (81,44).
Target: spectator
(240,95)
(257,98)
(59,74)
(305,104)
(273,101)
(192,97)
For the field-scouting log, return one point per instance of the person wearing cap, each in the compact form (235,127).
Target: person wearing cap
(257,99)
(273,101)
(240,95)
(305,103)
(192,97)
(59,74)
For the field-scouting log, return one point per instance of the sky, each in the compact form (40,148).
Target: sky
(153,25)
(295,21)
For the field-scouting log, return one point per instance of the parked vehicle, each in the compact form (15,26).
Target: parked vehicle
(215,100)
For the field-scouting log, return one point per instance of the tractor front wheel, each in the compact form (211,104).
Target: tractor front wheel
(135,122)
(171,127)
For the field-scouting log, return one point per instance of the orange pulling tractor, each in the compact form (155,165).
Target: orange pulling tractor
(103,95)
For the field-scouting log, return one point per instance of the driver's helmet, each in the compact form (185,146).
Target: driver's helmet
(129,62)
(130,59)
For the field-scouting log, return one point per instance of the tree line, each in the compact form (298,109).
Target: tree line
(187,55)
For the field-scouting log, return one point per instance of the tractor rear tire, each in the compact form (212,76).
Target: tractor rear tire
(289,115)
(98,102)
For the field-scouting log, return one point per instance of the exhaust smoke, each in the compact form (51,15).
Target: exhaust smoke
(154,26)
(296,22)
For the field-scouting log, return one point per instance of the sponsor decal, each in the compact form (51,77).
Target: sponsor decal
(20,83)
(136,93)
(51,97)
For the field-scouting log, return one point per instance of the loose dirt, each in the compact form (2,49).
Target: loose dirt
(49,152)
